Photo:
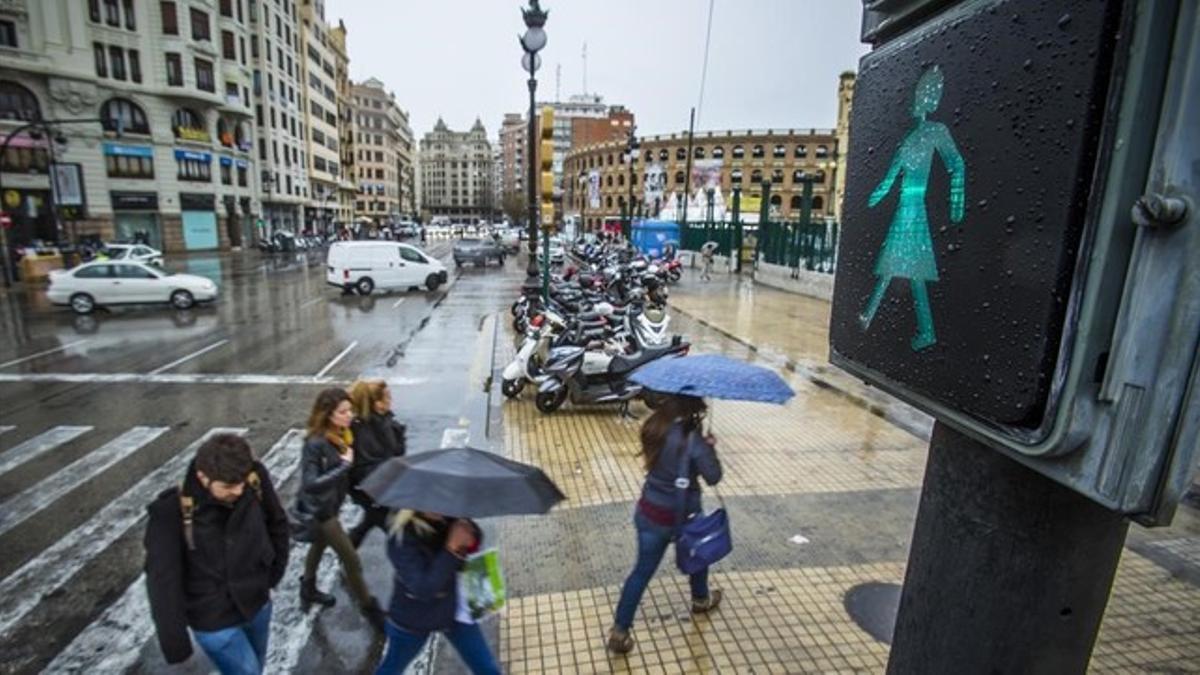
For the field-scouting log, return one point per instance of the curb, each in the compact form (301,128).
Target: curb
(899,414)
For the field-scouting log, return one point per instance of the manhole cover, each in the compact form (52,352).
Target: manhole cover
(873,607)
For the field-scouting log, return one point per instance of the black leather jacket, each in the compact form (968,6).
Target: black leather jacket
(377,439)
(324,478)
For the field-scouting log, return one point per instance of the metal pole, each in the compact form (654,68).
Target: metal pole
(737,224)
(687,175)
(632,158)
(531,189)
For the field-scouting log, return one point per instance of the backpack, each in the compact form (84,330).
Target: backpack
(187,507)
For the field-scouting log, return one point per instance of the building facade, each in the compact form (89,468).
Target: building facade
(456,174)
(513,145)
(785,158)
(280,113)
(845,103)
(321,105)
(381,160)
(347,188)
(160,145)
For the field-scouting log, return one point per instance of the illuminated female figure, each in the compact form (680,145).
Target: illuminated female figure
(908,250)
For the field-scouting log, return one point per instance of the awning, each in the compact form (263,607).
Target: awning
(193,156)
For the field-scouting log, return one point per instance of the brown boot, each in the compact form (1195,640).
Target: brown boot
(708,604)
(619,641)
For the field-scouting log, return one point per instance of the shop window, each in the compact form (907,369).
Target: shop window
(196,170)
(121,166)
(120,115)
(170,20)
(25,160)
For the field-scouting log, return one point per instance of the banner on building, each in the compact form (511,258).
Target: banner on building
(68,184)
(594,189)
(655,183)
(706,174)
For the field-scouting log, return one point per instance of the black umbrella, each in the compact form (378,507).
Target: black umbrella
(462,482)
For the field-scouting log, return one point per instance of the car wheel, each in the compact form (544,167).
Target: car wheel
(82,303)
(549,401)
(512,388)
(500,260)
(364,286)
(432,282)
(182,300)
(457,262)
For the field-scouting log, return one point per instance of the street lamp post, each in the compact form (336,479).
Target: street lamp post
(532,42)
(632,149)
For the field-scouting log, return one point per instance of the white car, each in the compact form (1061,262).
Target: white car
(363,266)
(558,254)
(117,282)
(134,252)
(510,238)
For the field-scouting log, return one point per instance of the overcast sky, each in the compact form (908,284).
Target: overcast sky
(772,63)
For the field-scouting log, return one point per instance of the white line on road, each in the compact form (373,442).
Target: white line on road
(397,303)
(37,445)
(310,303)
(5,429)
(44,493)
(38,355)
(113,642)
(189,357)
(51,569)
(190,378)
(337,358)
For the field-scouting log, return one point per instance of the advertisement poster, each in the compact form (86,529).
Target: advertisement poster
(655,183)
(594,190)
(706,175)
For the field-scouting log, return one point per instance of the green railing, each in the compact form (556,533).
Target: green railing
(696,235)
(811,247)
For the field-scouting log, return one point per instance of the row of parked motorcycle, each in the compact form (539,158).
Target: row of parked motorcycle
(288,242)
(605,317)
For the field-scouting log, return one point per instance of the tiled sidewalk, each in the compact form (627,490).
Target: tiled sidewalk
(819,467)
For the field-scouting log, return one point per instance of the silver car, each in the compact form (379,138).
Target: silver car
(107,282)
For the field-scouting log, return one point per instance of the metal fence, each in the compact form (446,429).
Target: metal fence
(811,246)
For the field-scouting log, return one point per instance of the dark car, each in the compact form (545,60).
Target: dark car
(478,251)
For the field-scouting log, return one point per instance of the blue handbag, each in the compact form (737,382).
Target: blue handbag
(705,538)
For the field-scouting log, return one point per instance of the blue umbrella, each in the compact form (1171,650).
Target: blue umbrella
(713,376)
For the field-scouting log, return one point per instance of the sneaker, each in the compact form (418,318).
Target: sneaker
(619,641)
(708,604)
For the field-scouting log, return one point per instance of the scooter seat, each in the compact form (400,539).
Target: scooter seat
(622,364)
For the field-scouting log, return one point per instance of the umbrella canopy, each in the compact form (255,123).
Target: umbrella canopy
(714,376)
(462,482)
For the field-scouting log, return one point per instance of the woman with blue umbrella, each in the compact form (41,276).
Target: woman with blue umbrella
(677,453)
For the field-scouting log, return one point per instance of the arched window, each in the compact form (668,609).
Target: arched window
(649,156)
(698,153)
(738,152)
(797,202)
(718,152)
(609,180)
(608,202)
(189,126)
(818,204)
(777,176)
(819,176)
(735,176)
(822,151)
(798,175)
(680,154)
(18,103)
(776,200)
(621,180)
(610,159)
(756,176)
(780,151)
(679,178)
(801,151)
(757,152)
(119,114)
(663,155)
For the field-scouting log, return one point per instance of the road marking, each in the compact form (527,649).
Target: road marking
(397,303)
(45,492)
(337,358)
(39,355)
(37,445)
(113,642)
(5,429)
(310,303)
(189,357)
(51,569)
(191,378)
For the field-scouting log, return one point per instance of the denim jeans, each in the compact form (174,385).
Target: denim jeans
(240,649)
(652,540)
(403,646)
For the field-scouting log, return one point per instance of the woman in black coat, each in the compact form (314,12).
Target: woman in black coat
(326,460)
(377,438)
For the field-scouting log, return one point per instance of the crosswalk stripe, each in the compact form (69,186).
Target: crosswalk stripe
(113,643)
(51,569)
(37,445)
(5,429)
(45,492)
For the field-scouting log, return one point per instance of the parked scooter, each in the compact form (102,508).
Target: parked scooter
(594,377)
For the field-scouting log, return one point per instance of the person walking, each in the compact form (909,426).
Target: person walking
(215,547)
(707,252)
(427,550)
(671,433)
(377,438)
(325,463)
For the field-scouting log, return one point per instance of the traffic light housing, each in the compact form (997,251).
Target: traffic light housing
(989,271)
(546,166)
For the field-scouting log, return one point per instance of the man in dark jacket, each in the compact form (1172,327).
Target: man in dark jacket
(215,547)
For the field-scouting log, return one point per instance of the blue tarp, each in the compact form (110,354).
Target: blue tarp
(648,236)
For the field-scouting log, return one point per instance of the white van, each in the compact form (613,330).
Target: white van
(363,266)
